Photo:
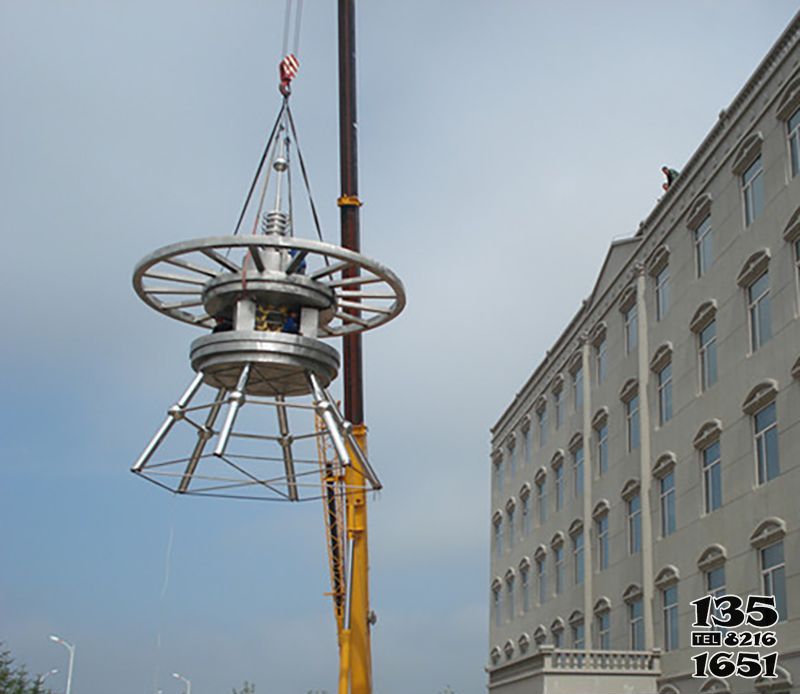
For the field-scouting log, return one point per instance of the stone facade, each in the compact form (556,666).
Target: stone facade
(654,455)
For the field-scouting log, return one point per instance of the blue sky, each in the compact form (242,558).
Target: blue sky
(503,146)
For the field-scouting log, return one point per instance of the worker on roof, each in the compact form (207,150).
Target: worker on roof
(671,175)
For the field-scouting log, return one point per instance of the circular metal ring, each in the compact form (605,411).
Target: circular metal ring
(367,294)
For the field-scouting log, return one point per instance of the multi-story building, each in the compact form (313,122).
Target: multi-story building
(653,457)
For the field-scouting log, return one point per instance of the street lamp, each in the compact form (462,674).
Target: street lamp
(42,678)
(188,683)
(71,650)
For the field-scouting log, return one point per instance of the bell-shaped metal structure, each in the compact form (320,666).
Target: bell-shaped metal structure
(249,424)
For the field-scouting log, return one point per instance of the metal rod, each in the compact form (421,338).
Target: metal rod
(180,262)
(220,259)
(175,413)
(324,410)
(236,399)
(286,446)
(202,439)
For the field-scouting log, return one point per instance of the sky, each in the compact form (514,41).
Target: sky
(503,145)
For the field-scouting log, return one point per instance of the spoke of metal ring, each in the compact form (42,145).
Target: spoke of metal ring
(366,295)
(179,262)
(172,290)
(174,413)
(220,259)
(350,318)
(331,269)
(258,261)
(347,281)
(202,439)
(182,304)
(365,307)
(286,446)
(174,278)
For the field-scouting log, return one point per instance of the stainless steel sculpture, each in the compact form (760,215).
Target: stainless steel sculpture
(267,302)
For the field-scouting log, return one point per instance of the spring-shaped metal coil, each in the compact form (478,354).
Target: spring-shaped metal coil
(275,222)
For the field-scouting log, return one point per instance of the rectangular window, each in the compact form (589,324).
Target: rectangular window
(577,558)
(797,269)
(632,420)
(634,524)
(558,558)
(577,471)
(662,292)
(753,191)
(766,443)
(601,360)
(665,394)
(601,525)
(541,501)
(512,462)
(559,409)
(601,434)
(636,622)
(707,340)
(669,604)
(510,516)
(499,477)
(604,630)
(715,586)
(526,590)
(703,246)
(759,311)
(497,606)
(525,531)
(577,635)
(577,389)
(793,130)
(526,446)
(541,581)
(773,574)
(510,599)
(541,418)
(631,329)
(667,493)
(558,638)
(559,482)
(712,477)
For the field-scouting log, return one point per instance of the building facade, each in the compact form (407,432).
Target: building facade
(653,457)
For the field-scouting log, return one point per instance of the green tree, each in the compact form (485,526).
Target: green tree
(15,679)
(247,688)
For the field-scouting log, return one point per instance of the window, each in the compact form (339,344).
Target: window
(634,524)
(632,422)
(577,389)
(510,517)
(526,515)
(577,558)
(662,292)
(577,635)
(497,607)
(601,525)
(541,580)
(669,605)
(797,262)
(707,345)
(766,443)
(541,500)
(667,494)
(753,191)
(712,477)
(773,574)
(703,246)
(512,461)
(715,586)
(526,444)
(601,439)
(524,577)
(558,560)
(601,360)
(510,597)
(577,470)
(559,482)
(498,535)
(559,408)
(758,308)
(636,624)
(793,134)
(541,420)
(665,394)
(499,477)
(558,636)
(603,621)
(631,329)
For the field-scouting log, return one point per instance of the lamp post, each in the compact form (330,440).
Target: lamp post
(41,678)
(178,676)
(71,649)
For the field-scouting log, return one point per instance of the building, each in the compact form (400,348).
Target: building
(653,457)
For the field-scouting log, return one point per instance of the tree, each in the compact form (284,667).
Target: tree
(247,688)
(15,679)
